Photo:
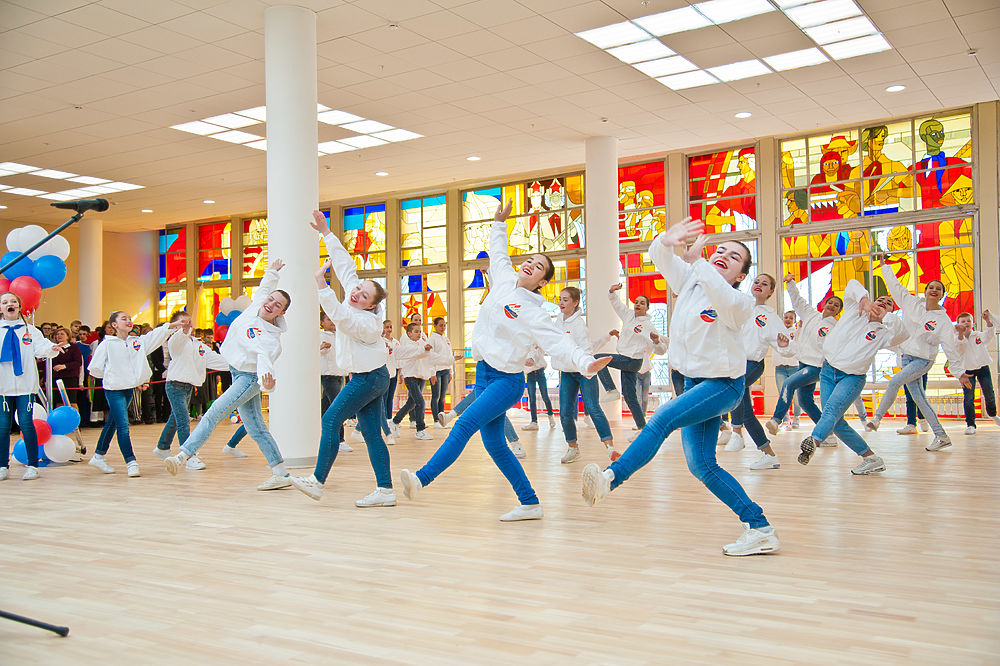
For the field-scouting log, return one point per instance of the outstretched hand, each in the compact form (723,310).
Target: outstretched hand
(503,212)
(615,287)
(988,317)
(598,365)
(319,223)
(789,278)
(782,340)
(693,253)
(276,265)
(682,233)
(321,273)
(267,381)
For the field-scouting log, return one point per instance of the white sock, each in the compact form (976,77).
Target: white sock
(610,473)
(183,455)
(279,470)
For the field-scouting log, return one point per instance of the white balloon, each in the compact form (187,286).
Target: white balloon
(38,413)
(59,448)
(242,303)
(57,246)
(30,235)
(14,240)
(226,305)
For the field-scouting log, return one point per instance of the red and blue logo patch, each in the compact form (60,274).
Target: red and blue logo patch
(870,335)
(26,338)
(823,331)
(637,329)
(979,340)
(709,315)
(136,345)
(930,326)
(761,320)
(253,332)
(201,351)
(511,310)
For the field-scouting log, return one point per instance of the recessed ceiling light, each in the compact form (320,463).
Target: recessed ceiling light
(676,20)
(397,135)
(665,66)
(198,127)
(688,80)
(232,121)
(25,191)
(52,173)
(724,11)
(14,167)
(795,59)
(236,136)
(75,194)
(896,88)
(337,117)
(615,34)
(857,47)
(841,30)
(209,201)
(330,147)
(740,70)
(4,172)
(362,141)
(806,16)
(381,173)
(55,196)
(146,210)
(89,180)
(743,114)
(122,187)
(367,126)
(473,158)
(2,207)
(259,145)
(257,113)
(5,187)
(650,49)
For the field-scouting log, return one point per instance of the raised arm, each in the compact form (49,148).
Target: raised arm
(500,263)
(899,293)
(155,338)
(555,342)
(799,304)
(618,304)
(662,251)
(98,360)
(215,361)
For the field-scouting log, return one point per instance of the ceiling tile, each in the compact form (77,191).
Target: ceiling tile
(152,11)
(102,20)
(402,10)
(525,31)
(476,43)
(14,16)
(439,25)
(60,32)
(488,13)
(345,20)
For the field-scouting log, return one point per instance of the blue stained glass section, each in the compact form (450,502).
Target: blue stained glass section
(415,284)
(354,218)
(435,201)
(410,204)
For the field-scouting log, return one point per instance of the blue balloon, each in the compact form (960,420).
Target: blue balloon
(220,319)
(63,420)
(42,460)
(22,267)
(49,270)
(20,453)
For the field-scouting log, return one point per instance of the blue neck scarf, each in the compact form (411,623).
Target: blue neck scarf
(10,351)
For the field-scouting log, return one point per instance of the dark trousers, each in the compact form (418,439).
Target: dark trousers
(986,386)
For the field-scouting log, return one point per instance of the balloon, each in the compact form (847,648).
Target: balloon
(59,448)
(220,319)
(63,420)
(43,430)
(30,235)
(29,291)
(4,285)
(220,333)
(22,267)
(226,305)
(242,303)
(57,246)
(38,413)
(49,270)
(14,240)
(43,460)
(20,453)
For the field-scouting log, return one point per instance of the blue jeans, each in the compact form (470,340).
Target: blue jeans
(537,378)
(743,414)
(414,405)
(697,412)
(179,421)
(508,427)
(242,395)
(838,391)
(237,437)
(912,413)
(116,421)
(781,375)
(362,396)
(570,384)
(910,376)
(803,383)
(438,391)
(629,368)
(390,394)
(331,386)
(986,386)
(24,406)
(496,392)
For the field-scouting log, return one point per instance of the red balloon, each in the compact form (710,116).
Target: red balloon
(43,430)
(29,291)
(4,285)
(220,332)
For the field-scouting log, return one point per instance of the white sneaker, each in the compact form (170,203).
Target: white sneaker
(552,422)
(611,396)
(572,453)
(447,417)
(309,486)
(232,451)
(194,462)
(612,452)
(923,425)
(98,461)
(754,541)
(394,429)
(531,426)
(413,425)
(30,473)
(996,420)
(173,463)
(869,465)
(590,424)
(735,442)
(523,512)
(829,441)
(424,435)
(162,454)
(378,497)
(356,436)
(772,426)
(766,461)
(411,483)
(4,473)
(938,444)
(596,484)
(132,468)
(808,447)
(725,432)
(908,429)
(344,448)
(634,436)
(873,424)
(970,430)
(389,439)
(276,482)
(517,449)
(795,423)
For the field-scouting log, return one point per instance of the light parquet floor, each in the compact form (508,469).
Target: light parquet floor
(202,568)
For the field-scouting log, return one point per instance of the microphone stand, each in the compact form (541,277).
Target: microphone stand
(67,223)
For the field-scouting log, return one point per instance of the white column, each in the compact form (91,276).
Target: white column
(601,180)
(292,193)
(90,267)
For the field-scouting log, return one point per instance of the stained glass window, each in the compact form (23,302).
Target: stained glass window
(364,235)
(254,247)
(547,216)
(173,255)
(423,231)
(426,294)
(169,302)
(213,251)
(642,209)
(208,307)
(722,189)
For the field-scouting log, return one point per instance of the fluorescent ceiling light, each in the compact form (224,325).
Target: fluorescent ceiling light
(857,47)
(74,194)
(4,172)
(101,189)
(231,120)
(321,107)
(259,145)
(381,173)
(55,196)
(743,114)
(2,207)
(724,11)
(198,127)
(25,191)
(209,201)
(796,59)
(615,34)
(88,180)
(641,51)
(665,66)
(330,147)
(740,70)
(14,167)
(362,141)
(337,117)
(5,187)
(367,127)
(896,88)
(676,20)
(785,4)
(52,173)
(146,210)
(688,80)
(236,136)
(122,187)
(397,135)
(473,158)
(806,16)
(257,113)
(841,30)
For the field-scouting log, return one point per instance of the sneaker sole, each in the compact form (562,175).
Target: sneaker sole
(590,473)
(370,506)
(102,471)
(871,427)
(172,466)
(404,478)
(504,519)
(808,449)
(763,548)
(306,492)
(871,471)
(275,487)
(943,446)
(759,469)
(771,428)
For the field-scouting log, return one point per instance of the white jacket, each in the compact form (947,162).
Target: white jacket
(359,341)
(511,319)
(32,345)
(537,358)
(633,337)
(123,363)
(391,362)
(815,328)
(852,344)
(252,344)
(788,355)
(328,357)
(444,357)
(928,329)
(975,349)
(761,331)
(414,360)
(709,314)
(189,359)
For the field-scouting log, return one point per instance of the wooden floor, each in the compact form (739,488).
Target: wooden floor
(890,569)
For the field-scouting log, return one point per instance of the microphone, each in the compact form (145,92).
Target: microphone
(83,205)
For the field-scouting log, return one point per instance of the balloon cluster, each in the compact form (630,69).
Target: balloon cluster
(45,267)
(229,310)
(52,431)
